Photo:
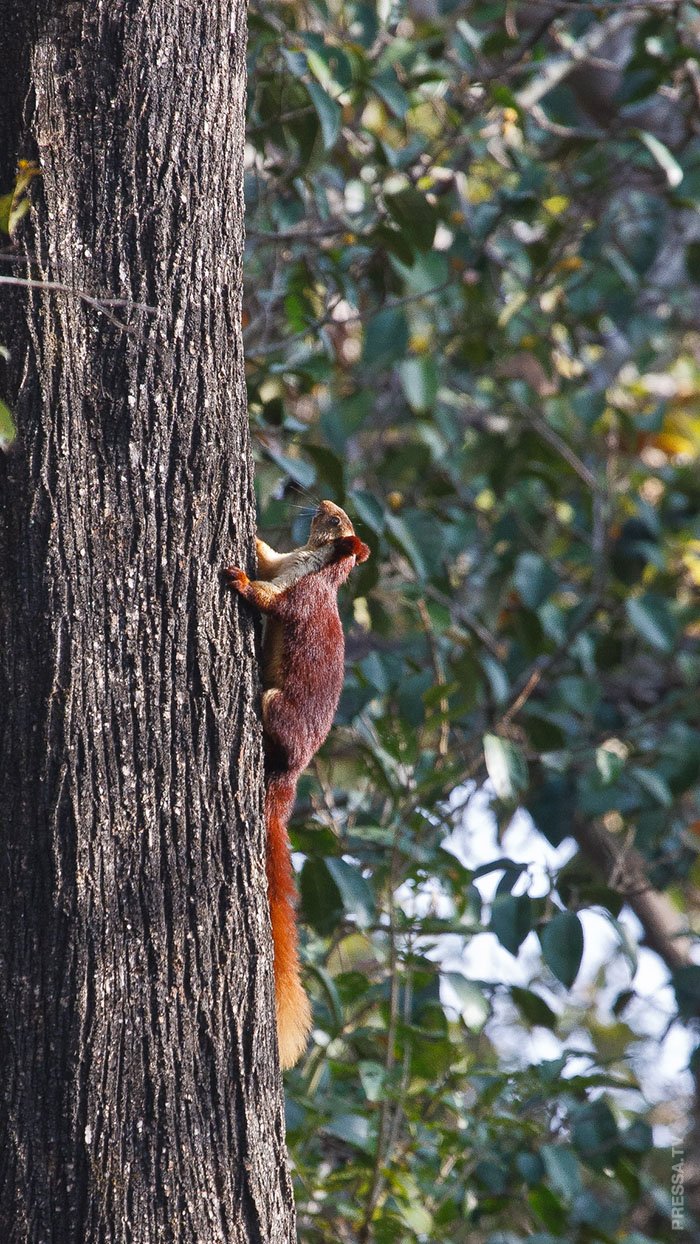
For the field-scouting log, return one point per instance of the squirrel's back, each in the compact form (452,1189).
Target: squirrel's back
(308,664)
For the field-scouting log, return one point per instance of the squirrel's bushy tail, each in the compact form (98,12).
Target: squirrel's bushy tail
(293,1009)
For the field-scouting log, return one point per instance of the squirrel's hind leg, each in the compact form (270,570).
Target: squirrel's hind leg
(268,699)
(270,705)
(282,730)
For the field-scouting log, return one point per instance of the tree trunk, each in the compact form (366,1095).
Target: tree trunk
(140,1096)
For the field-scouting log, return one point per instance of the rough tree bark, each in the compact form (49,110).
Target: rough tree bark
(140,1096)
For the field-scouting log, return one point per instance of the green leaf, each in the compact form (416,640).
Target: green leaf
(314,839)
(511,920)
(417,1218)
(473,1006)
(595,1133)
(506,766)
(651,618)
(492,1175)
(352,1128)
(368,510)
(533,1008)
(497,677)
(330,469)
(298,469)
(692,261)
(686,982)
(388,88)
(356,894)
(534,579)
(320,896)
(551,808)
(296,62)
(5,206)
(372,1078)
(402,536)
(654,784)
(531,1167)
(562,946)
(549,1208)
(666,162)
(388,238)
(18,211)
(609,762)
(328,111)
(15,205)
(580,694)
(563,1170)
(386,338)
(344,418)
(8,431)
(639,1137)
(416,217)
(328,62)
(419,379)
(502,864)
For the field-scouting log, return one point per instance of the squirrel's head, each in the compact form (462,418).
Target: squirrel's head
(328,523)
(331,529)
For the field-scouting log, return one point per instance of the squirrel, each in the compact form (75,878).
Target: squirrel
(303,670)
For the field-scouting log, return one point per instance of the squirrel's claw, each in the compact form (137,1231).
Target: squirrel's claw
(235,578)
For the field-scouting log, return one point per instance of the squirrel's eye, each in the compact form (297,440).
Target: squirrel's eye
(335,520)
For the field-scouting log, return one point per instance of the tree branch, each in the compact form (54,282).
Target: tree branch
(625,871)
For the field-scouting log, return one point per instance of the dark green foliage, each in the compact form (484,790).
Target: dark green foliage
(472,307)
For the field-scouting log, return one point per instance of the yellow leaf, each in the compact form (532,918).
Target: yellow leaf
(556,205)
(485,500)
(5,206)
(513,305)
(691,560)
(419,343)
(479,191)
(7,428)
(15,205)
(374,117)
(679,435)
(571,263)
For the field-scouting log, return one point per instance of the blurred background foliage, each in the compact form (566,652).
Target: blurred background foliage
(472,301)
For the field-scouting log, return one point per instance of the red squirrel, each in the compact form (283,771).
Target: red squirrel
(303,669)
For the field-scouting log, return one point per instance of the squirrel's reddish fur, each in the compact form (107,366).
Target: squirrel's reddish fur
(303,667)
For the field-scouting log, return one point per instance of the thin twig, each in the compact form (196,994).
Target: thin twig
(557,442)
(299,235)
(468,619)
(521,699)
(99,304)
(586,133)
(385,1129)
(593,6)
(559,68)
(406,1070)
(438,668)
(280,119)
(256,352)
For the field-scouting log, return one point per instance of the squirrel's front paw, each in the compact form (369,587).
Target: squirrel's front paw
(235,578)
